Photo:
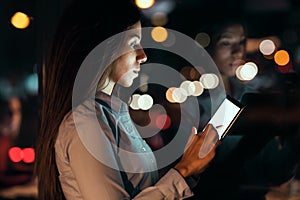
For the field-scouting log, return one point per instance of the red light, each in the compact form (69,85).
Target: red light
(286,68)
(15,154)
(163,121)
(29,155)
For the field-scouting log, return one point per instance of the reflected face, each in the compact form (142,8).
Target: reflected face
(126,68)
(230,50)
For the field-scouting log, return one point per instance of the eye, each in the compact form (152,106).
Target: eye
(134,45)
(243,42)
(224,43)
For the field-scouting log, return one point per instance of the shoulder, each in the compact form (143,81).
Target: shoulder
(86,122)
(66,132)
(81,118)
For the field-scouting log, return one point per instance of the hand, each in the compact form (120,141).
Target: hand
(199,152)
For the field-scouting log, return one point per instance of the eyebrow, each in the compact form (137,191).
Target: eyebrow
(228,35)
(135,35)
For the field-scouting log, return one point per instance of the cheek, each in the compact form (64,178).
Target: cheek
(220,57)
(120,68)
(116,71)
(224,53)
(222,61)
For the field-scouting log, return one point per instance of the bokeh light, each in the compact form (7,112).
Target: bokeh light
(31,84)
(159,34)
(144,82)
(194,73)
(163,121)
(170,41)
(169,95)
(286,68)
(179,95)
(145,102)
(282,57)
(188,86)
(20,20)
(198,88)
(203,39)
(15,154)
(134,101)
(159,19)
(185,71)
(238,74)
(144,4)
(247,71)
(209,81)
(267,47)
(28,155)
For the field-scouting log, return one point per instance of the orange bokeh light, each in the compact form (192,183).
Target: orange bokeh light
(282,58)
(159,34)
(20,20)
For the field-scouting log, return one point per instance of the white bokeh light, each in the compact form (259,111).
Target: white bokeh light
(247,71)
(134,101)
(179,95)
(145,102)
(209,81)
(238,72)
(188,86)
(144,4)
(267,47)
(198,88)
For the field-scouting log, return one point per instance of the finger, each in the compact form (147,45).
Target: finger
(206,129)
(191,138)
(210,142)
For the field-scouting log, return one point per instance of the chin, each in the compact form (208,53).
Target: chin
(127,84)
(228,74)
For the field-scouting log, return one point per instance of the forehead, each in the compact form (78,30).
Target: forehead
(134,30)
(233,31)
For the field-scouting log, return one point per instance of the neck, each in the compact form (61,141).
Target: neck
(226,84)
(109,87)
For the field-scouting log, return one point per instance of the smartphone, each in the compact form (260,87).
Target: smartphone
(226,115)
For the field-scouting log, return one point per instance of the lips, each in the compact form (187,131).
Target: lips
(237,63)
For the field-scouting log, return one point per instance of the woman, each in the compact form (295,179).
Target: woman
(251,159)
(70,162)
(227,49)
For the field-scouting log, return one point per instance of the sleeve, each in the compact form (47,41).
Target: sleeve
(171,186)
(95,180)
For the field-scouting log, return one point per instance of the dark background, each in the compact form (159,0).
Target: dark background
(22,53)
(21,50)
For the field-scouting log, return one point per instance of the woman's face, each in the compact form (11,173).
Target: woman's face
(126,68)
(230,50)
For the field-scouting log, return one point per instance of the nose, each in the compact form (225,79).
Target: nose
(238,51)
(141,56)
